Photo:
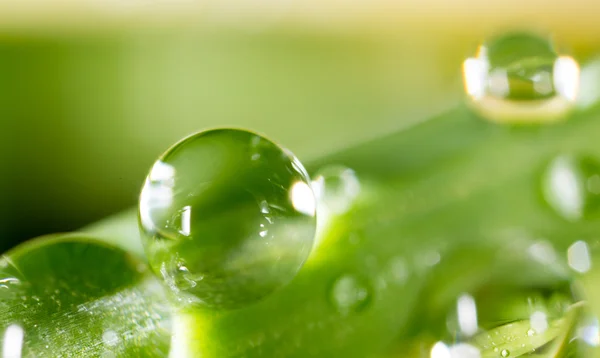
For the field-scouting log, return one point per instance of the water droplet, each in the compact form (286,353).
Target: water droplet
(543,252)
(460,350)
(336,187)
(235,208)
(539,322)
(350,294)
(530,332)
(520,77)
(467,315)
(505,353)
(428,258)
(569,186)
(578,256)
(590,332)
(398,270)
(110,338)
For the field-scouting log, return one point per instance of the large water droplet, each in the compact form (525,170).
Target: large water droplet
(336,187)
(227,217)
(571,186)
(521,77)
(350,293)
(69,296)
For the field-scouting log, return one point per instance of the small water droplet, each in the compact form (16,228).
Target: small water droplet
(566,186)
(530,332)
(520,77)
(539,322)
(505,353)
(227,216)
(590,332)
(543,252)
(183,279)
(336,187)
(350,294)
(398,270)
(110,338)
(429,258)
(578,256)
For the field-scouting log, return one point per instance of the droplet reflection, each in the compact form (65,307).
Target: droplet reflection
(350,294)
(303,198)
(336,187)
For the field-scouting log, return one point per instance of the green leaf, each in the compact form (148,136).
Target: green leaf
(72,296)
(513,338)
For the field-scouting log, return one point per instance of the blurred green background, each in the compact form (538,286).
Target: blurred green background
(90,95)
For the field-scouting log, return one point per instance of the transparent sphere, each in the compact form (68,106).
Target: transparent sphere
(227,217)
(520,77)
(336,188)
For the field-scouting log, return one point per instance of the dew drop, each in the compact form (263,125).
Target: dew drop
(539,322)
(521,77)
(530,332)
(398,270)
(236,209)
(336,188)
(590,332)
(569,186)
(110,338)
(505,353)
(350,294)
(578,255)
